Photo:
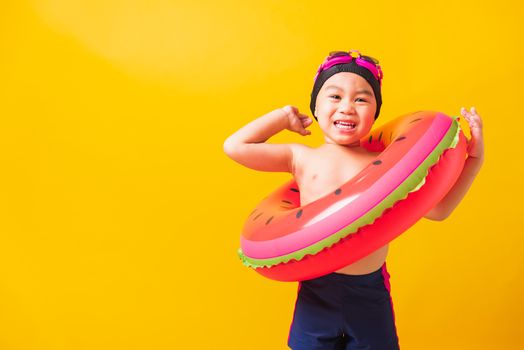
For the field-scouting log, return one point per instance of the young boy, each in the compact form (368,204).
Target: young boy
(350,308)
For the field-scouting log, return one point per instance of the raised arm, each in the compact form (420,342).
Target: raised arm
(248,145)
(471,168)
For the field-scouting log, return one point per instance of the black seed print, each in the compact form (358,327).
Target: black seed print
(269,220)
(400,138)
(338,191)
(287,202)
(253,212)
(377,162)
(299,214)
(415,120)
(391,136)
(256,217)
(294,189)
(370,138)
(380,136)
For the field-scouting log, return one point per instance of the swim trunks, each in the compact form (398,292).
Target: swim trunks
(339,311)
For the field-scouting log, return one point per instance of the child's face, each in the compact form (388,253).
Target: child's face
(345,109)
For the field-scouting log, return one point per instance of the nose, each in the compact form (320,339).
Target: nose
(347,107)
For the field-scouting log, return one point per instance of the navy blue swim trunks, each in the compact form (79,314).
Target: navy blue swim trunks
(339,311)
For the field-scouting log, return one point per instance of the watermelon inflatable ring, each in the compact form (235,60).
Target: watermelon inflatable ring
(421,156)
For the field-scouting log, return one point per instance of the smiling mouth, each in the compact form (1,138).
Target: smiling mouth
(345,125)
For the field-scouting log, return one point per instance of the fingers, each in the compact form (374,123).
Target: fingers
(469,114)
(305,132)
(475,146)
(473,118)
(298,121)
(305,122)
(293,112)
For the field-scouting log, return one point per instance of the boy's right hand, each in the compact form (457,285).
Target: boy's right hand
(297,122)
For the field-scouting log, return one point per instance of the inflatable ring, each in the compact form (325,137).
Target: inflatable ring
(421,156)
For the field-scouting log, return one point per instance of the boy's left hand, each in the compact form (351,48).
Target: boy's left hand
(476,143)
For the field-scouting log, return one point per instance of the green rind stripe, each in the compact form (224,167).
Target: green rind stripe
(413,183)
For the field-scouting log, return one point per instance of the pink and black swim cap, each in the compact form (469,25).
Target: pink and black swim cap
(351,67)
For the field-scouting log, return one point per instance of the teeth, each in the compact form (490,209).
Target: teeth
(345,125)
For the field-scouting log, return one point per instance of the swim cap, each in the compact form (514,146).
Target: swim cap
(351,67)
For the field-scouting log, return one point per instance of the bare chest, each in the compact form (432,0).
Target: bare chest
(319,171)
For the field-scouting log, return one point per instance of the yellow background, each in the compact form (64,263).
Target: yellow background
(120,214)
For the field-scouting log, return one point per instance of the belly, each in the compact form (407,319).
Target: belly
(368,264)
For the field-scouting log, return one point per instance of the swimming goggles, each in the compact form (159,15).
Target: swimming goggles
(339,57)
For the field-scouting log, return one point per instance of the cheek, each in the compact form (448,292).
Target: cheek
(368,126)
(325,124)
(374,109)
(323,108)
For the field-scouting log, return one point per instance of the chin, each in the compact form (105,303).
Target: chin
(343,141)
(354,143)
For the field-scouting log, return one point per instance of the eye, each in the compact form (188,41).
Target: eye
(335,96)
(361,99)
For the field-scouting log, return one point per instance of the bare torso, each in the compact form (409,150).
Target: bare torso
(319,171)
